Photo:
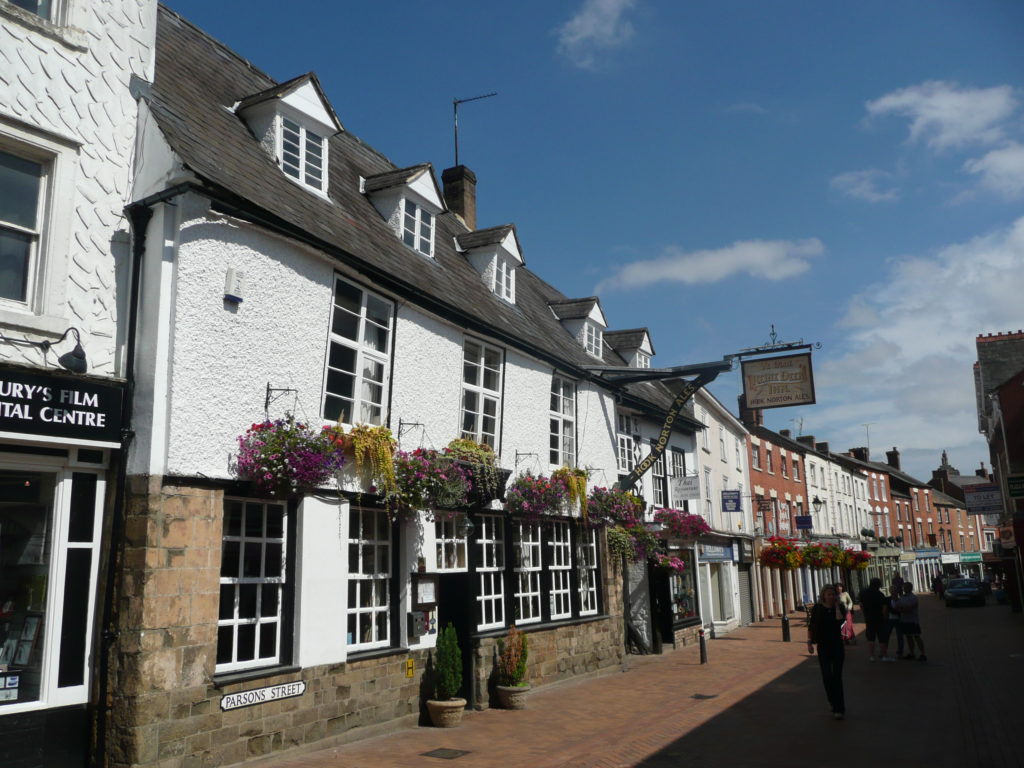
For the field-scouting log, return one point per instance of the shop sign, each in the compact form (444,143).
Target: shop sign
(983,499)
(908,557)
(1015,486)
(262,695)
(804,522)
(732,501)
(927,552)
(716,553)
(970,557)
(53,405)
(949,557)
(778,382)
(746,551)
(685,488)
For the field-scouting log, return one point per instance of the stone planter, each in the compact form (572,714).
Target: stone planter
(513,696)
(446,714)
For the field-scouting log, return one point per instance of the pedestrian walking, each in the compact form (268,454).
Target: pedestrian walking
(892,625)
(938,586)
(910,622)
(872,604)
(824,630)
(846,601)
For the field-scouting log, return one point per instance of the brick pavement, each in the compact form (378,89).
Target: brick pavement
(758,703)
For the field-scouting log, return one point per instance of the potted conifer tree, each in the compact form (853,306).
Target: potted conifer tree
(446,709)
(512,686)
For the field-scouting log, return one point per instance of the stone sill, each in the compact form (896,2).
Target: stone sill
(377,653)
(543,626)
(248,675)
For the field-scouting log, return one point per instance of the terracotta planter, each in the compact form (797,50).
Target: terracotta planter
(446,714)
(513,696)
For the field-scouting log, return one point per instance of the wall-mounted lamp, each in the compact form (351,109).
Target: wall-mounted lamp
(74,361)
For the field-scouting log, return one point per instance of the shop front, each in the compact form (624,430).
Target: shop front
(58,436)
(746,580)
(927,564)
(718,585)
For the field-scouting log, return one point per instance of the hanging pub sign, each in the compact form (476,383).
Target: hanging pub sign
(52,405)
(778,382)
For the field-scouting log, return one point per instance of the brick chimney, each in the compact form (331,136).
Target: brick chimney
(785,432)
(460,193)
(861,454)
(893,458)
(807,440)
(821,447)
(751,417)
(982,472)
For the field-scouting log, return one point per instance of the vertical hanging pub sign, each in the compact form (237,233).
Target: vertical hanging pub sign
(778,382)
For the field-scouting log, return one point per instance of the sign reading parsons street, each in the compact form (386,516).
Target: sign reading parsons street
(778,382)
(61,406)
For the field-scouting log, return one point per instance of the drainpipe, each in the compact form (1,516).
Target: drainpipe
(139,214)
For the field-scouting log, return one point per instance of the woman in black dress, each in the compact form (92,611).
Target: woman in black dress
(825,629)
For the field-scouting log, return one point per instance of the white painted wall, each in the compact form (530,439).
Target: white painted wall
(52,95)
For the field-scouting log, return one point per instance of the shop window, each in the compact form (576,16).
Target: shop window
(358,360)
(252,581)
(560,560)
(451,548)
(587,564)
(528,567)
(683,585)
(490,569)
(481,392)
(369,579)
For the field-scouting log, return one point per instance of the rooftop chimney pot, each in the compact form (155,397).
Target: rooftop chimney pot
(460,193)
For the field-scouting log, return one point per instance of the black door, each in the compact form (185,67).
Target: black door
(661,608)
(455,605)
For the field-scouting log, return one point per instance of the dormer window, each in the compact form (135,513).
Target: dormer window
(592,339)
(643,360)
(418,228)
(504,279)
(302,154)
(632,345)
(495,254)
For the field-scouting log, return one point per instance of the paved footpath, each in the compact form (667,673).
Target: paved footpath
(759,702)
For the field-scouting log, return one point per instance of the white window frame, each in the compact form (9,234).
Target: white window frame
(47,277)
(739,461)
(769,465)
(643,360)
(527,571)
(300,173)
(796,470)
(626,445)
(272,622)
(755,456)
(707,495)
(560,568)
(658,482)
(451,554)
(504,283)
(360,579)
(705,440)
(365,355)
(421,219)
(593,339)
(562,422)
(721,443)
(474,422)
(490,569)
(586,555)
(50,694)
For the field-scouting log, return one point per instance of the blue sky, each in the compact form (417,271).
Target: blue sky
(851,173)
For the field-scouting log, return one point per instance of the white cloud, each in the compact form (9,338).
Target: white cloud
(599,26)
(1001,170)
(871,185)
(764,259)
(907,364)
(946,116)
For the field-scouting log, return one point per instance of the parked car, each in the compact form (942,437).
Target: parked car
(960,591)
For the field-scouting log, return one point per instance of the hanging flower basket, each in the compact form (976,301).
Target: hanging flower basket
(678,524)
(614,507)
(670,562)
(285,458)
(859,560)
(781,553)
(535,496)
(575,482)
(430,481)
(486,479)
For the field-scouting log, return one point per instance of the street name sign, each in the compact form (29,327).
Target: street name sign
(262,695)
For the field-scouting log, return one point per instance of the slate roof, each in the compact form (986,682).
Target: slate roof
(198,80)
(285,87)
(398,178)
(938,497)
(781,440)
(574,309)
(483,237)
(629,339)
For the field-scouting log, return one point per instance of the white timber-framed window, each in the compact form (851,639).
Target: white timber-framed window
(358,359)
(755,454)
(526,544)
(451,547)
(658,481)
(768,462)
(481,392)
(23,192)
(739,461)
(626,444)
(417,227)
(796,470)
(704,439)
(504,284)
(562,420)
(721,443)
(303,154)
(586,557)
(707,495)
(490,570)
(643,360)
(252,582)
(369,579)
(560,568)
(593,339)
